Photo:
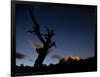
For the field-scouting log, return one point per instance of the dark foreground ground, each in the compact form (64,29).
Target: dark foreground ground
(83,65)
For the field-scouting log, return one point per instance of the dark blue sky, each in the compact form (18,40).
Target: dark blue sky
(74,29)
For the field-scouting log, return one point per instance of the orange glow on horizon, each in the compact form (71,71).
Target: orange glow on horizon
(72,57)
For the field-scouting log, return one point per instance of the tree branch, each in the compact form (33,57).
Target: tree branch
(36,28)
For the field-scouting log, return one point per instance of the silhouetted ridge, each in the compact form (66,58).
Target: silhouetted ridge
(83,65)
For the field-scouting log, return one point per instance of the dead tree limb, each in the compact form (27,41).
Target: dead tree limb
(45,38)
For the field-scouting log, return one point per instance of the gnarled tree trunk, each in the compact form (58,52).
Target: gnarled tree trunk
(46,41)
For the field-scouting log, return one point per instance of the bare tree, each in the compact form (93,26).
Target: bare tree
(46,40)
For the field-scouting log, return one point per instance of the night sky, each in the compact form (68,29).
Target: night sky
(74,29)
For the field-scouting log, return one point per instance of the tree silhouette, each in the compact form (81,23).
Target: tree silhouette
(46,40)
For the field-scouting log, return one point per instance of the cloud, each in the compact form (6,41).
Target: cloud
(30,59)
(20,55)
(37,45)
(66,59)
(72,57)
(57,57)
